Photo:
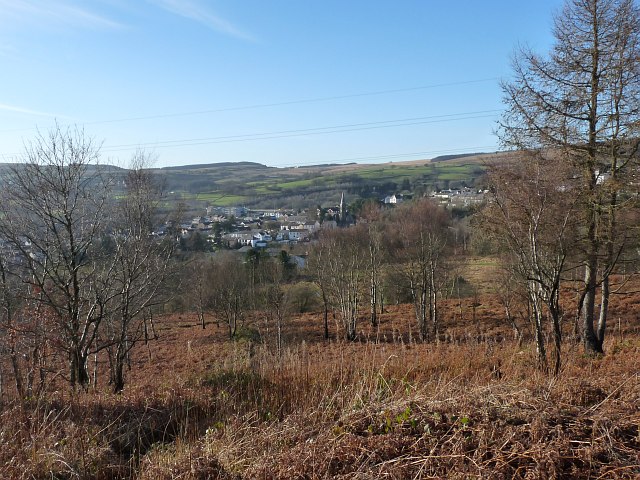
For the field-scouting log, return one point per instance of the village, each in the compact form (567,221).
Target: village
(241,229)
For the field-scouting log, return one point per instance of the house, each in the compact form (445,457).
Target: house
(186,229)
(393,199)
(262,236)
(238,238)
(227,211)
(312,226)
(295,218)
(298,235)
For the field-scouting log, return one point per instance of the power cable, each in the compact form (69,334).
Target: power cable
(307,132)
(293,102)
(276,104)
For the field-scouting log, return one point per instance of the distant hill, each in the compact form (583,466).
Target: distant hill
(256,185)
(444,158)
(215,166)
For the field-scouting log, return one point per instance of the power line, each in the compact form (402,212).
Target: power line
(341,128)
(307,132)
(294,102)
(277,104)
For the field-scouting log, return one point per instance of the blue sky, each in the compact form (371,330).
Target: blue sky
(280,82)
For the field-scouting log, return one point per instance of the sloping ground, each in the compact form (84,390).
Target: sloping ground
(201,407)
(252,184)
(471,405)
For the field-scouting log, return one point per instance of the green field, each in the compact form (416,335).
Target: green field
(252,184)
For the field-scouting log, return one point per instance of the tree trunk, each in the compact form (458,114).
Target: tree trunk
(326,316)
(420,302)
(610,261)
(539,332)
(554,309)
(373,292)
(351,323)
(604,311)
(17,374)
(117,375)
(517,333)
(589,339)
(433,302)
(279,332)
(78,368)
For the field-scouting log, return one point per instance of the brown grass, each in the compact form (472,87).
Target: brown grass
(199,406)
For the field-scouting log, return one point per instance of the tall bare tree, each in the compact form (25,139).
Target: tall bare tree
(199,291)
(532,214)
(317,266)
(371,214)
(420,231)
(137,269)
(583,102)
(231,290)
(52,212)
(274,299)
(344,270)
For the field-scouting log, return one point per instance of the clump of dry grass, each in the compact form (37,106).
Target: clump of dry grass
(336,410)
(458,423)
(90,435)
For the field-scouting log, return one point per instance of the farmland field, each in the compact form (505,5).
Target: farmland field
(253,184)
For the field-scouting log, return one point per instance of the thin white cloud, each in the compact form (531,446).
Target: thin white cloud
(199,13)
(27,111)
(65,13)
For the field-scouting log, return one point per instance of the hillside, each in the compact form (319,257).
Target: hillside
(253,184)
(472,405)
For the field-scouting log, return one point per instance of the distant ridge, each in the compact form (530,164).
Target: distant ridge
(444,158)
(215,165)
(327,165)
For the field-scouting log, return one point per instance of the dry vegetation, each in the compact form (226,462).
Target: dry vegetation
(473,405)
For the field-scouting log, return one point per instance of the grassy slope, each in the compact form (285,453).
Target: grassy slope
(253,184)
(199,406)
(229,183)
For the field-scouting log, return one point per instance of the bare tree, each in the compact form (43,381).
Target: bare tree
(231,290)
(511,295)
(532,214)
(372,216)
(52,211)
(137,269)
(274,299)
(420,231)
(317,266)
(199,290)
(345,269)
(583,102)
